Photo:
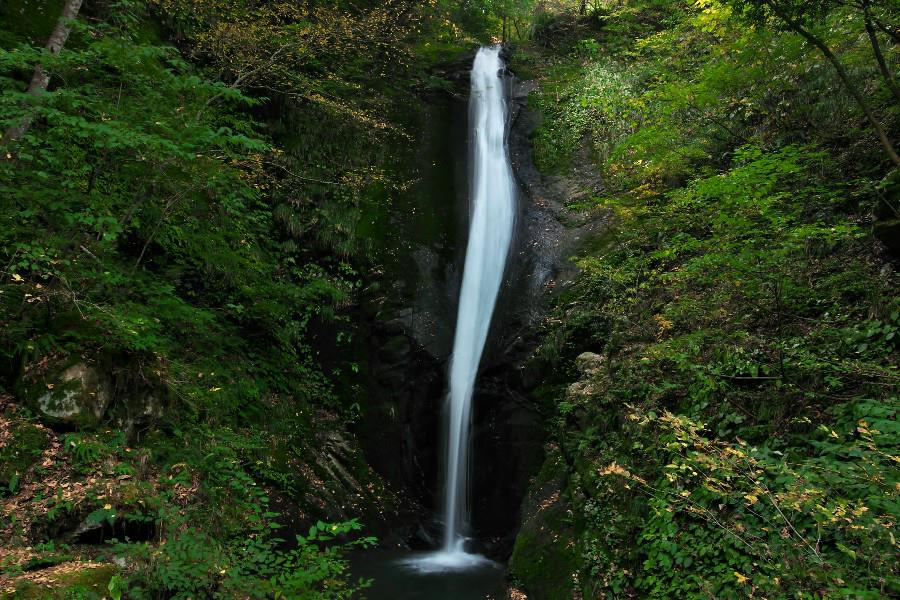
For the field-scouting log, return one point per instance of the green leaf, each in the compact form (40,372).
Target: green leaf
(846,550)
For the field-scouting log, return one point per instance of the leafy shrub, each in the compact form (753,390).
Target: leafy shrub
(743,428)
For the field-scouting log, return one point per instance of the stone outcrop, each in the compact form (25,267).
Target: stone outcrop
(83,393)
(75,395)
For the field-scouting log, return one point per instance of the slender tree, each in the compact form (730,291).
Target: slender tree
(865,6)
(41,77)
(794,15)
(892,32)
(879,56)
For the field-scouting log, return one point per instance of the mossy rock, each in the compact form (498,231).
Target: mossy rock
(887,225)
(24,447)
(888,231)
(72,393)
(85,581)
(544,556)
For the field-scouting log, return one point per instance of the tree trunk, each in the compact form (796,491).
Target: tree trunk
(876,49)
(845,78)
(41,77)
(895,35)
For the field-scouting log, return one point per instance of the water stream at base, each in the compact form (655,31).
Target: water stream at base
(492,210)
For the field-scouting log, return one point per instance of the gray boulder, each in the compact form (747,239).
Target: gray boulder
(76,395)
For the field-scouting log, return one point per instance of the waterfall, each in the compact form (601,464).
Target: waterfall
(492,210)
(492,213)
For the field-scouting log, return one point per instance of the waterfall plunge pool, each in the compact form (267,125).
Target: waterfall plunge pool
(398,575)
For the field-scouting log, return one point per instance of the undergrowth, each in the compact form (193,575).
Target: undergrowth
(735,434)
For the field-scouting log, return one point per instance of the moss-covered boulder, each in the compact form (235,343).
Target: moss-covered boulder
(21,445)
(76,392)
(589,362)
(888,231)
(887,223)
(71,393)
(139,408)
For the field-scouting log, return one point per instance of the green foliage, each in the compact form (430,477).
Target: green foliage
(773,518)
(160,242)
(594,106)
(193,563)
(245,557)
(189,220)
(728,447)
(485,20)
(116,586)
(742,429)
(25,444)
(699,83)
(87,450)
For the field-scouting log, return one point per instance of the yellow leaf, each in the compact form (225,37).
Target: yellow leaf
(742,579)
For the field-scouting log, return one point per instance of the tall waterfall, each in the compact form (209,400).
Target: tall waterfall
(492,210)
(492,214)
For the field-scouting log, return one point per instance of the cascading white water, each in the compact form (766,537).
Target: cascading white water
(492,213)
(490,232)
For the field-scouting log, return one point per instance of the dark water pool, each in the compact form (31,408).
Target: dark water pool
(395,580)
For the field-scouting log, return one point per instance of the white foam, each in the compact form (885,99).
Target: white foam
(444,561)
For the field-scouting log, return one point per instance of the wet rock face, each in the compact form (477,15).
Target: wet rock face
(332,482)
(543,555)
(399,432)
(401,435)
(141,408)
(507,440)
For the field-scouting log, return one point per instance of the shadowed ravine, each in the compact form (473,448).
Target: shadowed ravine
(326,300)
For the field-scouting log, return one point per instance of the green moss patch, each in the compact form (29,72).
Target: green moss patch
(20,447)
(86,581)
(545,554)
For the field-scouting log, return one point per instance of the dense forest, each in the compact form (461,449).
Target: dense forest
(208,208)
